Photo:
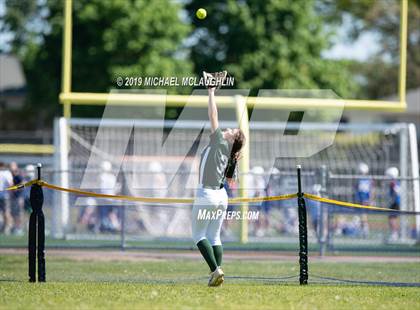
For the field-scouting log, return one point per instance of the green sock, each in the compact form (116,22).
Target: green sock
(207,251)
(218,253)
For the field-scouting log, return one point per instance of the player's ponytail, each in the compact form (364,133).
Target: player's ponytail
(237,145)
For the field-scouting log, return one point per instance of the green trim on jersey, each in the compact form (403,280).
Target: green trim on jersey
(214,160)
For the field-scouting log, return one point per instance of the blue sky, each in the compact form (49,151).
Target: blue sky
(364,47)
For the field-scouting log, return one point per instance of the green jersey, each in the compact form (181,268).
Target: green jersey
(214,161)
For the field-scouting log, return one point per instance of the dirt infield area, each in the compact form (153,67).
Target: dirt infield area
(156,255)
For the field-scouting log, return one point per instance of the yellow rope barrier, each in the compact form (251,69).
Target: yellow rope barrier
(118,197)
(260,199)
(159,199)
(236,200)
(354,205)
(20,186)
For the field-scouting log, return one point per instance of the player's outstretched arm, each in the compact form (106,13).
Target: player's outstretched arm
(212,110)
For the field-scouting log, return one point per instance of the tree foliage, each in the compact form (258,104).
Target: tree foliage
(267,45)
(271,44)
(381,18)
(110,39)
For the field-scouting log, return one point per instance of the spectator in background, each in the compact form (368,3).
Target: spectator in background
(88,215)
(257,189)
(314,208)
(108,215)
(348,227)
(364,195)
(6,180)
(28,176)
(16,200)
(271,189)
(166,219)
(231,190)
(394,195)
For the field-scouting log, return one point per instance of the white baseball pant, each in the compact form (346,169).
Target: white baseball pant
(213,202)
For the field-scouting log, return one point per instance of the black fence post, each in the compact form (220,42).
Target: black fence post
(32,246)
(36,232)
(323,220)
(303,232)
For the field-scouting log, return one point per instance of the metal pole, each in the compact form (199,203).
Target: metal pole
(403,51)
(303,233)
(330,218)
(67,55)
(36,232)
(404,160)
(122,240)
(322,228)
(38,167)
(242,119)
(414,157)
(123,210)
(299,167)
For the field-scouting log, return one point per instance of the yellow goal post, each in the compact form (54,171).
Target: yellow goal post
(69,98)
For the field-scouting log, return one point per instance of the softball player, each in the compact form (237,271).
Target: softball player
(394,195)
(218,162)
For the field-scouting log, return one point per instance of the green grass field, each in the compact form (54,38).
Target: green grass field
(181,284)
(381,249)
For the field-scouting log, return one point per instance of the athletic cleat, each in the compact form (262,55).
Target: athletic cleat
(217,277)
(214,80)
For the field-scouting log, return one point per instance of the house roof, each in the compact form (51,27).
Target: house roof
(11,73)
